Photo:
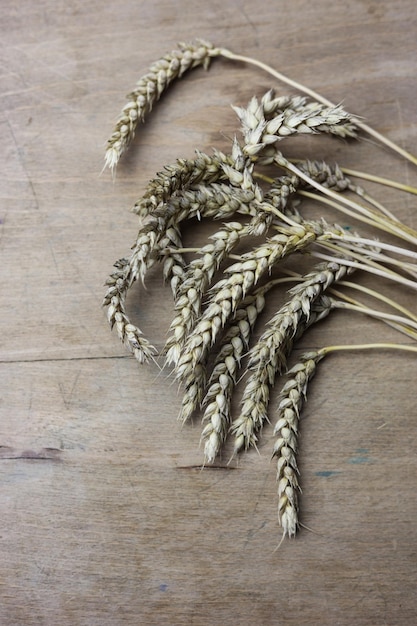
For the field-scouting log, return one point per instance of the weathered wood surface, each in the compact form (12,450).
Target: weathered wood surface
(105,517)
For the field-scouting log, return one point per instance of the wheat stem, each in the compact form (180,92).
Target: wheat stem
(374,294)
(345,236)
(366,256)
(373,313)
(367,346)
(380,180)
(368,266)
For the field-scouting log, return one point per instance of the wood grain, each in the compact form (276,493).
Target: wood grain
(106,516)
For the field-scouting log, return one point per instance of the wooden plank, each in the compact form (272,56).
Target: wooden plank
(107,517)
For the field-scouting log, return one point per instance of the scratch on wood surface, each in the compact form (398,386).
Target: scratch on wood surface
(22,163)
(44,454)
(206,467)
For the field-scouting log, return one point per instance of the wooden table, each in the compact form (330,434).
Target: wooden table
(106,516)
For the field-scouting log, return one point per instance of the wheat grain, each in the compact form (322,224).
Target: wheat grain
(217,414)
(331,177)
(173,263)
(194,385)
(354,209)
(191,187)
(151,238)
(254,410)
(313,94)
(228,292)
(201,270)
(189,55)
(291,399)
(162,215)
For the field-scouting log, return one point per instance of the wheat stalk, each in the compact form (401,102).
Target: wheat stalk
(336,178)
(158,216)
(266,122)
(173,65)
(118,284)
(150,88)
(290,402)
(284,323)
(256,395)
